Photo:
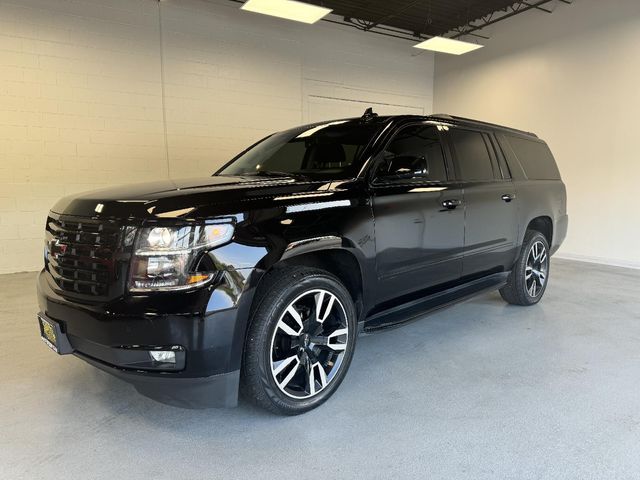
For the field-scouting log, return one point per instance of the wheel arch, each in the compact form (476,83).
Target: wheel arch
(339,261)
(542,224)
(333,254)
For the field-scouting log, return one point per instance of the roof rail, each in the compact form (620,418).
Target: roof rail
(445,116)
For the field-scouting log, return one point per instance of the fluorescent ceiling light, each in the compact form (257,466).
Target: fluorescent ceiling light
(448,45)
(289,9)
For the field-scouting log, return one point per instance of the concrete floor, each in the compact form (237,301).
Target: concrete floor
(480,390)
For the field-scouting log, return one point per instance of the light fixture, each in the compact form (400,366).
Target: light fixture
(448,45)
(289,9)
(164,356)
(164,257)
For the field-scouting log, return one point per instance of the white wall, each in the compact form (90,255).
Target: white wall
(232,77)
(80,107)
(81,94)
(573,77)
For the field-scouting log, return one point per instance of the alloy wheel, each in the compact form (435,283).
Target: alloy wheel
(309,343)
(535,273)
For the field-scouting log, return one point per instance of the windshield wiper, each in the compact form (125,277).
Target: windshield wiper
(273,173)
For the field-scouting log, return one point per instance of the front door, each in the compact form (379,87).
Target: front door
(418,214)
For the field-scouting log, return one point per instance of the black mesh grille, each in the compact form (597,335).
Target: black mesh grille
(81,255)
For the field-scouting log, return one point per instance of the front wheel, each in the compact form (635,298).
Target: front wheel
(300,341)
(528,279)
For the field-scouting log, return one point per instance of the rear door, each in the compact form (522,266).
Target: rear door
(490,202)
(418,213)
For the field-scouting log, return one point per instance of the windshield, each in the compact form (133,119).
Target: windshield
(331,150)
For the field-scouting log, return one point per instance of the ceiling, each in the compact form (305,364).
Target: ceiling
(425,18)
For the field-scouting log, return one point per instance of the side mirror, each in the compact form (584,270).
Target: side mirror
(402,166)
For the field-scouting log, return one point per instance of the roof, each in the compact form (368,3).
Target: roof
(452,119)
(470,121)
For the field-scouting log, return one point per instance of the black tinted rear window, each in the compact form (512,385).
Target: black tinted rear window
(474,161)
(535,157)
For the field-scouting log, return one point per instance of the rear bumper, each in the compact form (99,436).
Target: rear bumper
(210,345)
(560,232)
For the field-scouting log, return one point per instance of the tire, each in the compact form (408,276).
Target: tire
(528,280)
(293,358)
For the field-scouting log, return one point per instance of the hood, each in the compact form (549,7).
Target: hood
(202,197)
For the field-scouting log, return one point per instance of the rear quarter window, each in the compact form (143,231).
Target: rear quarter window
(535,157)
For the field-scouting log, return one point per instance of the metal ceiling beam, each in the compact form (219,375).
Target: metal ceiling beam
(518,7)
(546,10)
(391,15)
(471,28)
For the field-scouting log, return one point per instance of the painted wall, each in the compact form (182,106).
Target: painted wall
(103,92)
(573,78)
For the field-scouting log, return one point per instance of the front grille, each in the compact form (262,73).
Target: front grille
(82,255)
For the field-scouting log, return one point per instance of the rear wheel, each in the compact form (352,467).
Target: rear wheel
(300,341)
(527,281)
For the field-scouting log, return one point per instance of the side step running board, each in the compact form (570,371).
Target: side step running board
(407,312)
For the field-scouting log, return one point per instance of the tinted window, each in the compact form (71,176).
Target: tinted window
(418,149)
(472,155)
(535,157)
(502,164)
(330,150)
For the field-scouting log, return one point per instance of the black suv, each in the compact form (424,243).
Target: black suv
(260,277)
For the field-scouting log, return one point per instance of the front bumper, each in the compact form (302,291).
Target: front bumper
(109,336)
(198,392)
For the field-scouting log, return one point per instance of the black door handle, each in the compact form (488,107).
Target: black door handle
(451,203)
(507,197)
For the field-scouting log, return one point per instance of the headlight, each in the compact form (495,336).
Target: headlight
(164,256)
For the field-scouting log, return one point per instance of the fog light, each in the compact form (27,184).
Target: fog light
(163,356)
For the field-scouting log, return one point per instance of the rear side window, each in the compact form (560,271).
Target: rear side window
(474,161)
(535,157)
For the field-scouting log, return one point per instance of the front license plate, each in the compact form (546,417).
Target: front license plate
(52,335)
(48,333)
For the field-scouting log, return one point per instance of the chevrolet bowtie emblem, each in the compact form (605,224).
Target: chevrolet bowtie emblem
(58,249)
